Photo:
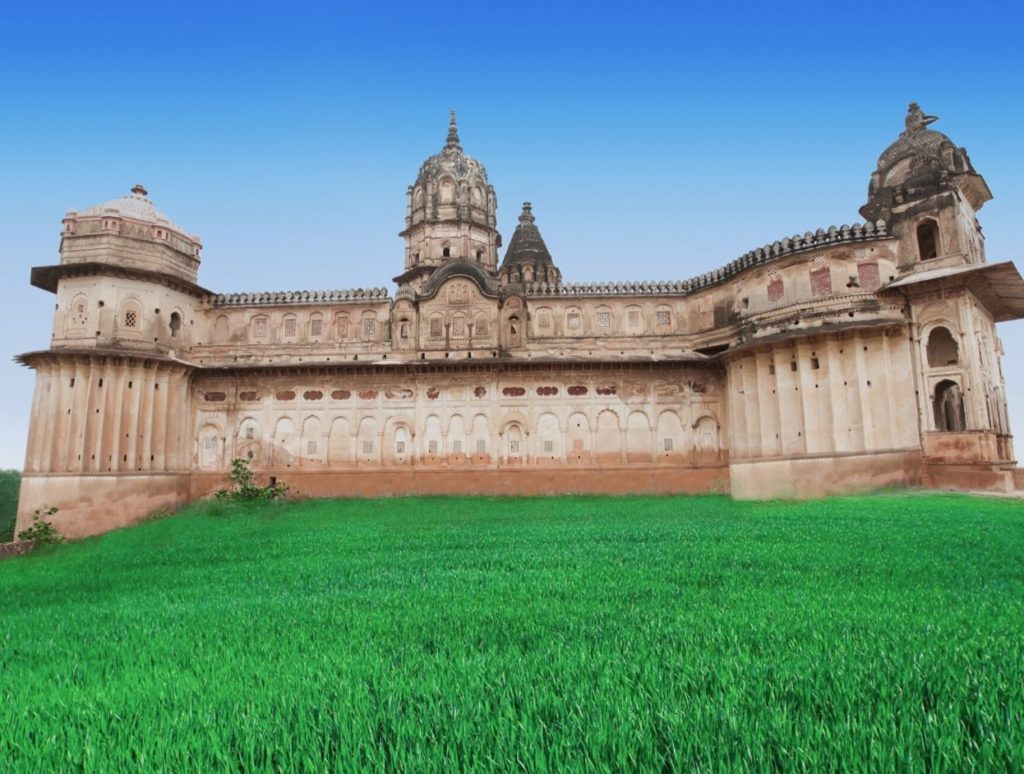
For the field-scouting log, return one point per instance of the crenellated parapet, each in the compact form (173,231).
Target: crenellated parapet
(830,237)
(297,297)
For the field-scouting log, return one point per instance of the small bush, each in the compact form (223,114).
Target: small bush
(42,532)
(243,485)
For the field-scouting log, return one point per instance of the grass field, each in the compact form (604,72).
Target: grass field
(586,633)
(10,483)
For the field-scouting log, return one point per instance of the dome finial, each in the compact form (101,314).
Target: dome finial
(453,134)
(139,189)
(527,214)
(917,119)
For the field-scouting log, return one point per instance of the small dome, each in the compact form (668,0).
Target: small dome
(916,140)
(527,245)
(451,161)
(135,206)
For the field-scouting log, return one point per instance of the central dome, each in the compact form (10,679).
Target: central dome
(452,162)
(451,213)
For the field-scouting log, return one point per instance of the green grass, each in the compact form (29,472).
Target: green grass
(10,483)
(583,633)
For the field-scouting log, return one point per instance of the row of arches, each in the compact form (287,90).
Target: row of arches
(547,440)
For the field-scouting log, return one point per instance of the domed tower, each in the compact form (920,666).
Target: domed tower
(450,215)
(927,192)
(109,431)
(527,258)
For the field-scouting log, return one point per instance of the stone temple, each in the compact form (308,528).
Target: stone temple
(837,360)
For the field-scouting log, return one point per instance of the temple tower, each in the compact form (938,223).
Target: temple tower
(450,214)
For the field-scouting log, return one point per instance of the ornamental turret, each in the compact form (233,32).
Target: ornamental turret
(450,214)
(928,193)
(527,258)
(130,232)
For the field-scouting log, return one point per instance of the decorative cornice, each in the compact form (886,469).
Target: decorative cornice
(303,297)
(833,235)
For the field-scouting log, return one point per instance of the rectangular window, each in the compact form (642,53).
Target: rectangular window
(603,321)
(343,327)
(572,321)
(316,327)
(435,328)
(867,276)
(549,447)
(513,447)
(663,318)
(130,319)
(458,326)
(259,328)
(399,447)
(544,322)
(289,326)
(668,444)
(432,447)
(456,447)
(311,447)
(369,327)
(634,318)
(250,433)
(367,447)
(821,282)
(211,442)
(481,446)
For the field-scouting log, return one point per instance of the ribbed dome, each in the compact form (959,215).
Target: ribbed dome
(451,161)
(916,140)
(527,245)
(135,206)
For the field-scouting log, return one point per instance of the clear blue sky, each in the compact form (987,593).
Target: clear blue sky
(655,141)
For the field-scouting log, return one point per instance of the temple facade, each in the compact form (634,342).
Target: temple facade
(839,360)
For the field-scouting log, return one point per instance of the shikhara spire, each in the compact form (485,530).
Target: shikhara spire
(452,143)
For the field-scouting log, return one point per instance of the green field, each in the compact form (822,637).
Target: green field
(10,482)
(538,634)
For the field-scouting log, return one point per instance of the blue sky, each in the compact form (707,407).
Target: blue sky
(655,141)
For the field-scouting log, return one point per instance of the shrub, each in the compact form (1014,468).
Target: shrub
(42,532)
(243,484)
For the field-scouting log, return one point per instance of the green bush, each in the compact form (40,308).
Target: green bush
(243,484)
(42,532)
(10,484)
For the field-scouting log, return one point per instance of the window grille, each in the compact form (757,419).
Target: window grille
(316,327)
(513,447)
(435,327)
(459,326)
(549,447)
(311,447)
(367,447)
(260,328)
(432,447)
(573,321)
(456,447)
(211,443)
(481,446)
(289,326)
(634,318)
(343,327)
(663,318)
(604,321)
(250,433)
(130,319)
(369,327)
(668,444)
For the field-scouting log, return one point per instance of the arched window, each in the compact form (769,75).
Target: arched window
(260,327)
(131,317)
(949,407)
(927,239)
(290,327)
(446,252)
(942,348)
(436,327)
(175,324)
